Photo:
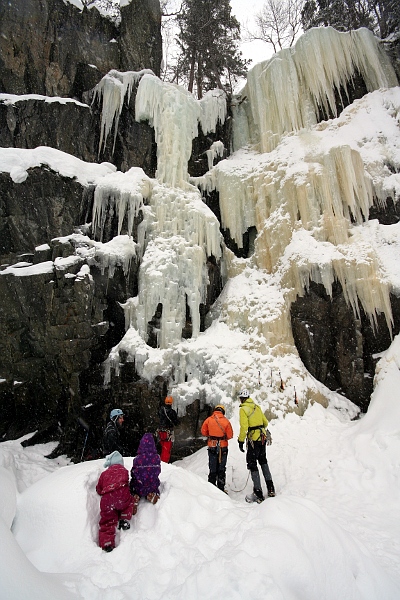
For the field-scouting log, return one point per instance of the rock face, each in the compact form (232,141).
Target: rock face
(336,348)
(52,48)
(51,206)
(71,127)
(140,36)
(74,127)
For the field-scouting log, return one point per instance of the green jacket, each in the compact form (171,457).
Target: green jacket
(251,415)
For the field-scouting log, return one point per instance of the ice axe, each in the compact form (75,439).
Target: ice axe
(86,427)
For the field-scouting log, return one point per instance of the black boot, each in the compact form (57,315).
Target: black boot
(271,489)
(124,524)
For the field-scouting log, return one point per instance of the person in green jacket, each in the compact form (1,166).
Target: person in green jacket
(253,429)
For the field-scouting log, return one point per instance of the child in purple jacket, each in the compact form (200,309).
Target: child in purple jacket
(145,471)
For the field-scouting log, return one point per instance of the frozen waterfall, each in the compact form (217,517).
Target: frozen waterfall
(112,90)
(286,91)
(306,188)
(175,115)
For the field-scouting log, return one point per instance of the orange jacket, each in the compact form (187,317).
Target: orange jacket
(217,426)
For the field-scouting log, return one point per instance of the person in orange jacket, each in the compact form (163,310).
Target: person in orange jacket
(218,430)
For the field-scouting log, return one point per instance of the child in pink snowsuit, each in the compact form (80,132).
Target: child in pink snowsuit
(116,504)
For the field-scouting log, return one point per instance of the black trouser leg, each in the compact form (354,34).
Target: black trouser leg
(223,456)
(212,465)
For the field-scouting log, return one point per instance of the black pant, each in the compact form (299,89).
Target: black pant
(217,458)
(256,452)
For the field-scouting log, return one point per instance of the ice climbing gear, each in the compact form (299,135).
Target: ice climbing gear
(253,498)
(152,497)
(115,413)
(244,393)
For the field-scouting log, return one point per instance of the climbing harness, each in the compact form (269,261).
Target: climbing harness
(217,439)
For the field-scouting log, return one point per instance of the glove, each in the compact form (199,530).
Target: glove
(241,446)
(269,438)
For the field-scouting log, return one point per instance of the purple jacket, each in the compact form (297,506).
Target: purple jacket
(146,468)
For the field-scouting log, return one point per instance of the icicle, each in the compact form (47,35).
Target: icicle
(175,113)
(216,149)
(118,252)
(112,89)
(182,232)
(287,90)
(122,192)
(212,109)
(130,312)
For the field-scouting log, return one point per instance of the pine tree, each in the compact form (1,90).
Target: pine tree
(208,41)
(382,16)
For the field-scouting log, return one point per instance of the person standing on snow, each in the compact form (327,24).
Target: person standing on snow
(112,436)
(168,419)
(116,503)
(145,472)
(253,428)
(218,430)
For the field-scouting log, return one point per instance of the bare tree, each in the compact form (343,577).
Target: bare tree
(170,9)
(278,23)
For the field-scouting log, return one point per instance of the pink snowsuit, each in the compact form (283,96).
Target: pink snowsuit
(116,502)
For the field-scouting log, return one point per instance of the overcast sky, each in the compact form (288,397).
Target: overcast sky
(244,11)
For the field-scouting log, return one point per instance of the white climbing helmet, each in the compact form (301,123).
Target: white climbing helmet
(244,394)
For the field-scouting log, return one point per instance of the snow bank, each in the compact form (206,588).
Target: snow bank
(17,161)
(287,545)
(20,579)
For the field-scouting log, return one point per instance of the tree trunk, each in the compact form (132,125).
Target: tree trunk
(191,74)
(199,81)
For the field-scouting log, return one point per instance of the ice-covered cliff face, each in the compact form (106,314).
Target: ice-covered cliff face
(287,92)
(306,187)
(178,232)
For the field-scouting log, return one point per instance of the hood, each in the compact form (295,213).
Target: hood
(147,445)
(115,458)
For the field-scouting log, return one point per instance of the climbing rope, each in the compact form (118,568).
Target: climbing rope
(244,487)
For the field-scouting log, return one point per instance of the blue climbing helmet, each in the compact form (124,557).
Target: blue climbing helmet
(115,413)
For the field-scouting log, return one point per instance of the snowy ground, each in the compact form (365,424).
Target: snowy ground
(333,530)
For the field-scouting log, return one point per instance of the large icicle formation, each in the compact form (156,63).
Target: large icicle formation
(181,232)
(178,232)
(306,188)
(305,197)
(177,235)
(286,91)
(112,90)
(175,113)
(172,111)
(122,193)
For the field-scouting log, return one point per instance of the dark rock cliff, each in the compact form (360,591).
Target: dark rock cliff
(60,314)
(52,48)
